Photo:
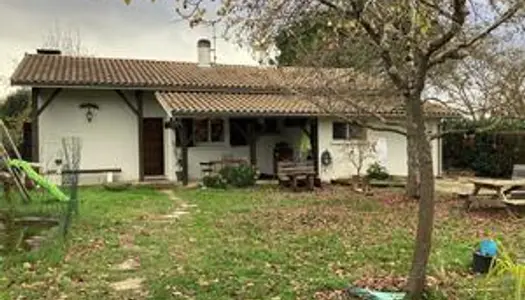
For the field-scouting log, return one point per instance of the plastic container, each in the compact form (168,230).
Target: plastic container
(481,263)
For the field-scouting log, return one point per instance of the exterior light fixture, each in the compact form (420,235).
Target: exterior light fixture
(90,108)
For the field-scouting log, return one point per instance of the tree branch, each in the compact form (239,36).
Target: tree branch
(476,130)
(458,20)
(455,52)
(376,37)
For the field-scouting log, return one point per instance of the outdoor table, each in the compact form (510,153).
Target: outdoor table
(502,189)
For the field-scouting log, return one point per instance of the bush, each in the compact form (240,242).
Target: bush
(489,148)
(377,171)
(214,181)
(239,176)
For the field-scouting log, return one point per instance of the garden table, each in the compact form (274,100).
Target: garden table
(501,188)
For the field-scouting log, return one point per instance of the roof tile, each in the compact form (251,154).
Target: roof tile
(189,88)
(210,103)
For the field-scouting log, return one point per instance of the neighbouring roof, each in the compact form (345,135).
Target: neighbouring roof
(210,103)
(188,88)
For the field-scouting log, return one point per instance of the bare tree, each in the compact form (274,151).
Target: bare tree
(413,38)
(65,39)
(360,152)
(487,84)
(508,95)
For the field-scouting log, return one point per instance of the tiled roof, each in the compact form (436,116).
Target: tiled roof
(61,70)
(209,103)
(190,88)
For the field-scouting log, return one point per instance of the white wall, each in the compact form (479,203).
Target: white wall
(109,141)
(341,166)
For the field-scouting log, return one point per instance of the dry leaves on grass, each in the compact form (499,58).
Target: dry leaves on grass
(333,295)
(126,241)
(81,250)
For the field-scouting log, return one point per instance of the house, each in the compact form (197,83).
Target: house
(162,119)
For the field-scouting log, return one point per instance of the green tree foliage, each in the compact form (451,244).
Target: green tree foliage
(15,104)
(302,42)
(489,148)
(14,111)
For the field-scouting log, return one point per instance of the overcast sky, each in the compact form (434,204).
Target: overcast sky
(106,28)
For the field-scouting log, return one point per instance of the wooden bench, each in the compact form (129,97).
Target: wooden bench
(295,171)
(108,171)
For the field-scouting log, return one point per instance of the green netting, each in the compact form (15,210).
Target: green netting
(41,181)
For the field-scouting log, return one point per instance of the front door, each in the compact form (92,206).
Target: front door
(153,139)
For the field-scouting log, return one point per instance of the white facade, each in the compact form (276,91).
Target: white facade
(111,140)
(396,152)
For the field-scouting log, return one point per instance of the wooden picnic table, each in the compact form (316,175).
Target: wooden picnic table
(501,189)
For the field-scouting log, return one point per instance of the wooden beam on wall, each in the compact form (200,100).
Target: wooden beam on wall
(183,131)
(252,141)
(140,122)
(48,101)
(314,143)
(35,145)
(125,99)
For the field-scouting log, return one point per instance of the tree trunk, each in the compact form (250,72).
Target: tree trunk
(412,185)
(416,281)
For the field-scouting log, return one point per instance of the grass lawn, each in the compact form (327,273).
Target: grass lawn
(263,243)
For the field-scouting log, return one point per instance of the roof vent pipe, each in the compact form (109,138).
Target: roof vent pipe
(204,52)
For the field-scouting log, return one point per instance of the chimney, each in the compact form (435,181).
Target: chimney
(48,51)
(204,52)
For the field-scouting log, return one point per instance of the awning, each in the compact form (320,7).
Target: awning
(195,103)
(266,104)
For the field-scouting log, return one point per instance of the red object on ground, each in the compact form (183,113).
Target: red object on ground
(29,184)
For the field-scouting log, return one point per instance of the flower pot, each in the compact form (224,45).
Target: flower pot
(481,263)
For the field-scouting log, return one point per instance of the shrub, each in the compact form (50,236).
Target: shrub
(490,152)
(239,176)
(214,181)
(377,171)
(507,273)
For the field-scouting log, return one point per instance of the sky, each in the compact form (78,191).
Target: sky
(107,28)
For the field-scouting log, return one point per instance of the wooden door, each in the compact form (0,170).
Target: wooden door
(153,138)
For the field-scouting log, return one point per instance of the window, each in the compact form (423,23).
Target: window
(339,131)
(346,131)
(208,130)
(238,130)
